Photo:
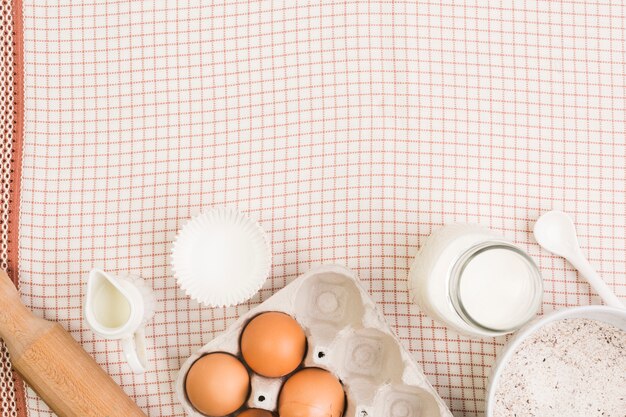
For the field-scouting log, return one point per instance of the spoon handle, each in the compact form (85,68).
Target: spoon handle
(586,270)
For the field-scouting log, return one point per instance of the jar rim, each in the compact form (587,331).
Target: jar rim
(456,272)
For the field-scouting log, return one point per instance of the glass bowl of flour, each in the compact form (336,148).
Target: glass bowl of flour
(568,363)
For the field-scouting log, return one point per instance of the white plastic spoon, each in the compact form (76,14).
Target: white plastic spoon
(556,233)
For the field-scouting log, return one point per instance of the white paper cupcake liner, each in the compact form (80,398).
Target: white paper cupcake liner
(221,257)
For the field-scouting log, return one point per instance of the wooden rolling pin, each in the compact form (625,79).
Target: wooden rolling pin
(55,366)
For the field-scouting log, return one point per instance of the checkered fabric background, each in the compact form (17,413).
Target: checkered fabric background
(349,129)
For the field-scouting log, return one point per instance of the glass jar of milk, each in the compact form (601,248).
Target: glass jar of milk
(478,283)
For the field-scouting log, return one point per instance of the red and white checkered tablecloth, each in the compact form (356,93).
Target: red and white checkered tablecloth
(349,129)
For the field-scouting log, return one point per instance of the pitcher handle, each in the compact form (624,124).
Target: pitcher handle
(135,351)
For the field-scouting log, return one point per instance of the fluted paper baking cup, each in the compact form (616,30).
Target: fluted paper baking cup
(221,257)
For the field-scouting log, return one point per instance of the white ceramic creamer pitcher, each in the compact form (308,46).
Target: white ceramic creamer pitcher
(118,309)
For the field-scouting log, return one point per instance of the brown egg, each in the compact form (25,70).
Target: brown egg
(256,412)
(311,392)
(273,344)
(217,384)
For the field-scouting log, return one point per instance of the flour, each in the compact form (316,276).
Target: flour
(572,367)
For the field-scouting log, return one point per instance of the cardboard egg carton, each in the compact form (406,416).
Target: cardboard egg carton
(346,335)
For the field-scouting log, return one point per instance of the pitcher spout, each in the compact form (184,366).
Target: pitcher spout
(111,304)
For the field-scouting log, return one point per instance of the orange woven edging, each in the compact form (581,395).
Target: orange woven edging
(16,171)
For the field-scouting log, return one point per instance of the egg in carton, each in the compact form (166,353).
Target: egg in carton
(345,334)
